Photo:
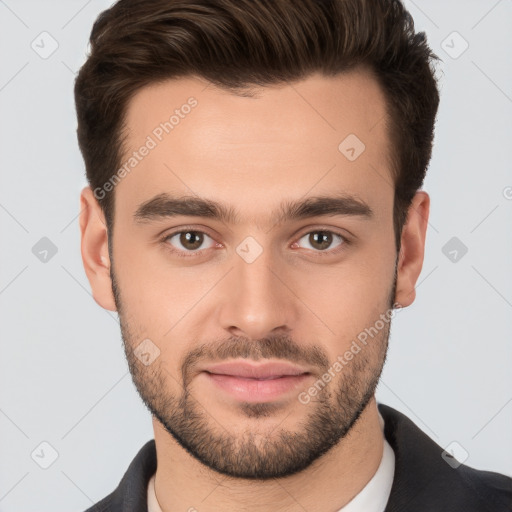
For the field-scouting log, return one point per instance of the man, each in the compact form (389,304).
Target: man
(255,217)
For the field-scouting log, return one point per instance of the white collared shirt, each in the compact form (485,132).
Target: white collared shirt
(373,497)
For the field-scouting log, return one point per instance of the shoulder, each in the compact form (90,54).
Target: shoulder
(492,488)
(131,493)
(105,505)
(426,480)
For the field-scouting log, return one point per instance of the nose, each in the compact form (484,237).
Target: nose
(257,300)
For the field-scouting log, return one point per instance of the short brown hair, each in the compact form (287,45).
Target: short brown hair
(236,44)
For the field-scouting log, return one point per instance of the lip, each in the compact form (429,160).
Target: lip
(267,370)
(256,382)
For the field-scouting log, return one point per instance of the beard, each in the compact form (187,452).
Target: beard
(249,454)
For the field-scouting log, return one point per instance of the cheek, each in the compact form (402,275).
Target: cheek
(351,297)
(161,303)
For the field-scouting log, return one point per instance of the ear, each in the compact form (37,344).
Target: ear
(94,248)
(412,249)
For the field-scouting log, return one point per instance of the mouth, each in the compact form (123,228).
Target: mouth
(256,382)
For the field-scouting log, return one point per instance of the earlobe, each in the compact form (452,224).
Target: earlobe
(412,249)
(94,249)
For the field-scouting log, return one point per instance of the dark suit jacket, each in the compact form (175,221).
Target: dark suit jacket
(423,480)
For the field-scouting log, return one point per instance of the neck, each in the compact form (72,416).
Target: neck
(184,483)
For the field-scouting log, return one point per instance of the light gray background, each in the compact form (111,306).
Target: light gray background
(64,379)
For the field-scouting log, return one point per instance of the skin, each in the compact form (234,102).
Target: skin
(252,153)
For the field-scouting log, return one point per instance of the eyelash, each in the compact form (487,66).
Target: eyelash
(193,254)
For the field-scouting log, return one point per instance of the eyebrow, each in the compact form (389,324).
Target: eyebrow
(164,206)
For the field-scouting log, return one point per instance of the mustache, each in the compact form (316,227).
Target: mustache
(270,347)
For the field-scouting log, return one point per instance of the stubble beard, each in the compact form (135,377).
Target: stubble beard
(256,453)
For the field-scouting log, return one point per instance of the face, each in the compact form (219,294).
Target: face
(257,230)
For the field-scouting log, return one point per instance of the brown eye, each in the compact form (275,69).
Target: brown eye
(188,241)
(321,240)
(191,240)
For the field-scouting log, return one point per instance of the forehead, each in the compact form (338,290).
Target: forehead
(320,135)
